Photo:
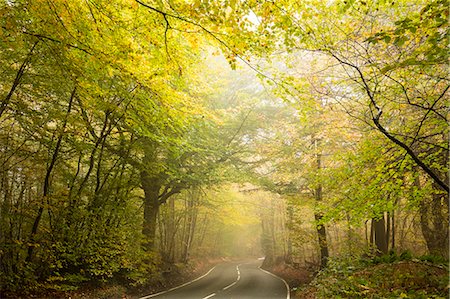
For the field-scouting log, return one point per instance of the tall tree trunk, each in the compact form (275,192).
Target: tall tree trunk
(267,244)
(388,229)
(171,232)
(323,244)
(191,221)
(393,231)
(349,233)
(203,231)
(434,222)
(380,235)
(46,188)
(272,228)
(366,231)
(372,233)
(151,188)
(321,230)
(290,217)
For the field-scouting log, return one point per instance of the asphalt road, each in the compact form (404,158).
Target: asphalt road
(231,280)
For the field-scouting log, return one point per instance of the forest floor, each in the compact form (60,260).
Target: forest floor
(295,277)
(399,279)
(412,278)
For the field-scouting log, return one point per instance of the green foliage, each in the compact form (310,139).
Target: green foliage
(95,96)
(88,86)
(435,259)
(391,277)
(388,258)
(431,22)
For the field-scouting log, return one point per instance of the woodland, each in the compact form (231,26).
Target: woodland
(139,138)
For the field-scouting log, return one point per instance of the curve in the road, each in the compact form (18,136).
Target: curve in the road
(255,283)
(235,282)
(288,290)
(230,280)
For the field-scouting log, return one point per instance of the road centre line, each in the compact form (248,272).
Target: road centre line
(180,286)
(209,296)
(233,283)
(238,278)
(285,283)
(229,286)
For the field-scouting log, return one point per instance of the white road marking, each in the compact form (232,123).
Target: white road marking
(225,288)
(209,296)
(229,286)
(233,283)
(285,283)
(180,286)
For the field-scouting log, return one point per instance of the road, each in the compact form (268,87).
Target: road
(231,280)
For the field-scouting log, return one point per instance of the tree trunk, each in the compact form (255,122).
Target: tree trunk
(380,235)
(323,244)
(290,218)
(434,222)
(151,188)
(372,233)
(434,225)
(46,188)
(349,233)
(191,221)
(393,231)
(267,244)
(388,229)
(321,230)
(366,231)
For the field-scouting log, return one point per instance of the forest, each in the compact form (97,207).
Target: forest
(144,141)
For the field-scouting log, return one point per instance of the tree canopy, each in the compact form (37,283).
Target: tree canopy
(136,134)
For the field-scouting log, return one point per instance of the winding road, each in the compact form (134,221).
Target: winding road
(231,280)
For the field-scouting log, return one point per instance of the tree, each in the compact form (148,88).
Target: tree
(87,104)
(392,74)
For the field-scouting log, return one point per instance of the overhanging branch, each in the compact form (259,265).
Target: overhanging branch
(167,15)
(376,120)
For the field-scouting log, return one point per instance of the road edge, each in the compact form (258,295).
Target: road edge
(177,287)
(285,283)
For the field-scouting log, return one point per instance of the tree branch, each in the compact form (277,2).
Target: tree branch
(213,35)
(168,192)
(376,120)
(17,79)
(43,37)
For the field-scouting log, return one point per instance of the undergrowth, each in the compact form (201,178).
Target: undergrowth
(388,276)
